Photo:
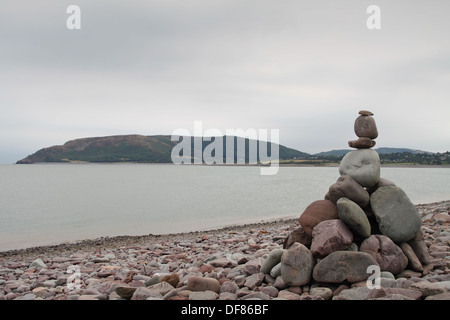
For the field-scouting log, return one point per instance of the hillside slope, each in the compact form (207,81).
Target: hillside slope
(129,148)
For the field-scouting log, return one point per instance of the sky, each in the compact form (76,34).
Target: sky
(305,68)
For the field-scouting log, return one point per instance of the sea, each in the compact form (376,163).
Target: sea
(47,204)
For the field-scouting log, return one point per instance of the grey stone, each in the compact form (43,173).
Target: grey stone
(153,280)
(381,183)
(297,263)
(354,217)
(396,215)
(420,248)
(387,275)
(362,165)
(276,271)
(341,266)
(227,296)
(143,293)
(255,296)
(413,262)
(323,292)
(428,288)
(272,260)
(38,264)
(347,187)
(357,293)
(203,295)
(440,296)
(162,288)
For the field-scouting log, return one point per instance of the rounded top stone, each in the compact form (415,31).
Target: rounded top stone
(365,113)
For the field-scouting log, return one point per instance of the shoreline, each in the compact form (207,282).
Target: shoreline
(220,264)
(123,240)
(305,165)
(108,242)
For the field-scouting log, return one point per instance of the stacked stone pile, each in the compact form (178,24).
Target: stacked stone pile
(363,221)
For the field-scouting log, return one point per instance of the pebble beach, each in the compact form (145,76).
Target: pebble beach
(225,264)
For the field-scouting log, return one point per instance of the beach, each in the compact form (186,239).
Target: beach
(225,264)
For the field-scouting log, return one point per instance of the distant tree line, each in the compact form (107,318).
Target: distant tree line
(398,158)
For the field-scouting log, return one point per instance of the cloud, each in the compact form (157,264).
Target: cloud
(150,67)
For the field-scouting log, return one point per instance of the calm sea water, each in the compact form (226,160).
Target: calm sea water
(53,203)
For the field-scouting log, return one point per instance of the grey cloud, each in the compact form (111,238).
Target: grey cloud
(304,67)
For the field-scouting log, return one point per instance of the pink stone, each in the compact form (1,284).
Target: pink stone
(329,236)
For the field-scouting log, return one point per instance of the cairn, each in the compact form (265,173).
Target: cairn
(364,221)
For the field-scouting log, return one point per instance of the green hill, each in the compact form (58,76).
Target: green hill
(129,148)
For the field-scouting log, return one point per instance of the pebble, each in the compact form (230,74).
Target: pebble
(229,270)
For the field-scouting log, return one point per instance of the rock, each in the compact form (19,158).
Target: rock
(382,292)
(227,296)
(420,248)
(317,211)
(329,236)
(125,292)
(142,293)
(203,295)
(38,264)
(272,260)
(279,283)
(365,113)
(253,266)
(440,296)
(271,291)
(153,280)
(356,293)
(362,165)
(162,288)
(381,183)
(341,266)
(255,296)
(388,255)
(297,263)
(387,275)
(276,271)
(394,296)
(362,143)
(323,292)
(195,283)
(287,295)
(298,235)
(229,286)
(347,187)
(365,126)
(413,262)
(397,217)
(172,279)
(223,263)
(428,288)
(254,280)
(354,217)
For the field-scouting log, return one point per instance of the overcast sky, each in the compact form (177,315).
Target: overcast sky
(150,67)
